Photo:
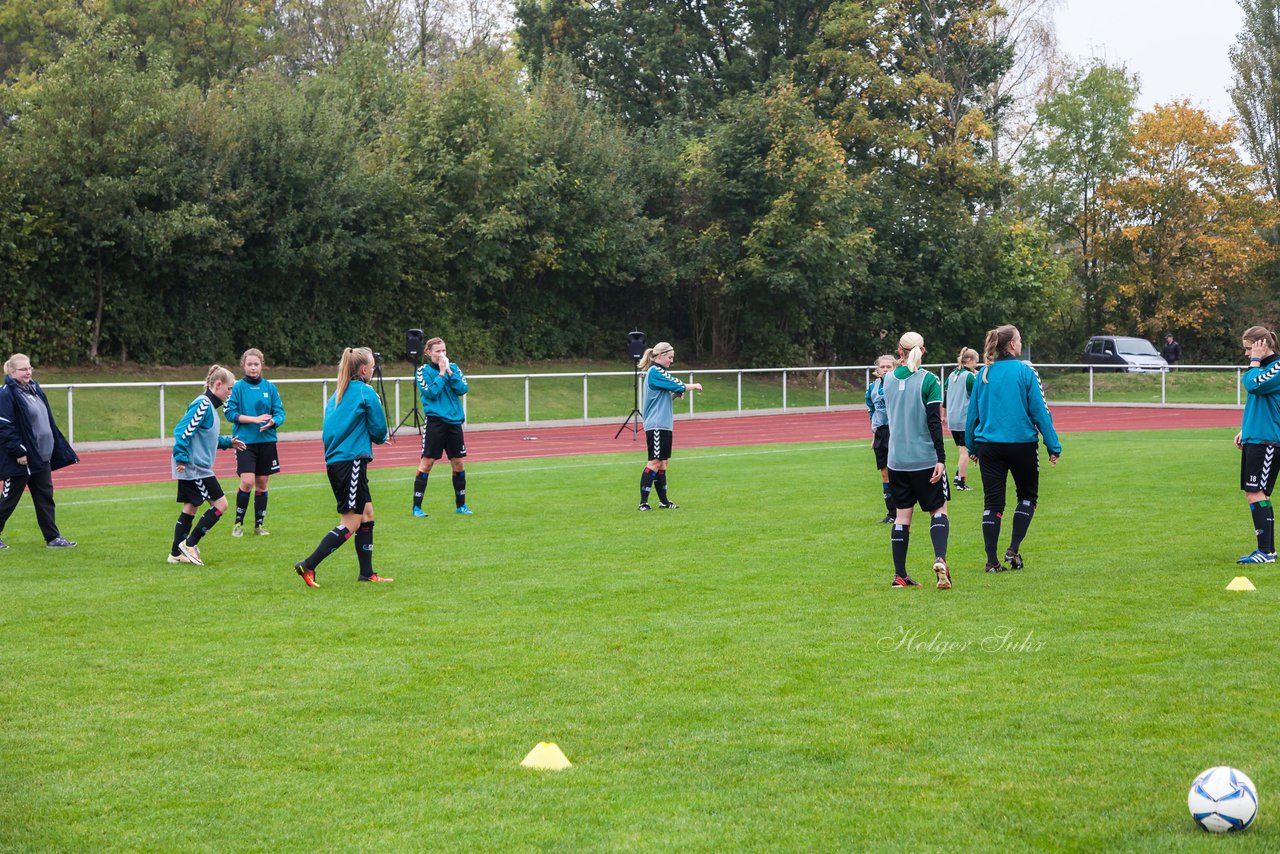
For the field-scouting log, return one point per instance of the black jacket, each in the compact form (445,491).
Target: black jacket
(1172,352)
(17,440)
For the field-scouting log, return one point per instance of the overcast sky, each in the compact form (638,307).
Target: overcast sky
(1178,48)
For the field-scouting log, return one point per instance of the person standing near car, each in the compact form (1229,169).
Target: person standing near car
(1172,350)
(1259,438)
(1006,411)
(32,448)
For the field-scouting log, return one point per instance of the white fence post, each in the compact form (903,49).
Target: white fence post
(1091,383)
(585,414)
(784,389)
(690,395)
(526,399)
(739,391)
(161,412)
(71,420)
(826,382)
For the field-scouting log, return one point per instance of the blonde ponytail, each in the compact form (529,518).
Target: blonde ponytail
(965,353)
(217,372)
(352,359)
(660,349)
(911,345)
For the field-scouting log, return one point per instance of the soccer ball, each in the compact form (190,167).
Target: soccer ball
(1223,799)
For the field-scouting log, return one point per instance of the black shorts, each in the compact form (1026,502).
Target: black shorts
(441,437)
(880,444)
(998,460)
(1258,467)
(350,483)
(957,436)
(659,443)
(259,459)
(199,491)
(911,487)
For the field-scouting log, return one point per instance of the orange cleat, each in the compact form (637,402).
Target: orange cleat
(308,575)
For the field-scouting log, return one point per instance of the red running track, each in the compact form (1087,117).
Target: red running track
(151,465)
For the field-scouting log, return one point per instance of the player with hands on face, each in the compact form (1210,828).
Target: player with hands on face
(1259,438)
(441,388)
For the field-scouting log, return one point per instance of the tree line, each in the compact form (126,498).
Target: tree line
(767,183)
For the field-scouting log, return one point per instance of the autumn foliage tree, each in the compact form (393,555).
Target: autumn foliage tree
(1187,217)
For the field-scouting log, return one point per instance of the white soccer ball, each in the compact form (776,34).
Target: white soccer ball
(1223,799)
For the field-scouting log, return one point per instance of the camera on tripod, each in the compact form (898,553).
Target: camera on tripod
(377,359)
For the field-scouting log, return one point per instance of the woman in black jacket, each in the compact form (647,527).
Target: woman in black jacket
(31,449)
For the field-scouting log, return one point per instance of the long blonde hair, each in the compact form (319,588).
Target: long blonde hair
(660,349)
(217,372)
(352,359)
(997,345)
(911,345)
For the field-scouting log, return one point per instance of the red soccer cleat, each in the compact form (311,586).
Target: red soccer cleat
(308,575)
(374,577)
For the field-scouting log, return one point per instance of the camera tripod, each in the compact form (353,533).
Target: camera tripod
(634,418)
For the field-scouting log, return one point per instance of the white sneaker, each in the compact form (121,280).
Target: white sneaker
(237,530)
(191,553)
(178,559)
(262,532)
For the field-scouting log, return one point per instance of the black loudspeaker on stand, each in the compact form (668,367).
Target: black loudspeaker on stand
(635,349)
(413,344)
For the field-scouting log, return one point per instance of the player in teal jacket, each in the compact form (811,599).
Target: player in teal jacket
(354,422)
(195,442)
(441,386)
(1259,438)
(255,412)
(1006,410)
(660,389)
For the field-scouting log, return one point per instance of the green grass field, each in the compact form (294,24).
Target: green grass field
(734,675)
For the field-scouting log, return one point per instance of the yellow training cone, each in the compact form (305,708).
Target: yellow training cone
(546,755)
(1237,583)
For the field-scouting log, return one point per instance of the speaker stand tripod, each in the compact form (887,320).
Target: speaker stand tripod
(634,418)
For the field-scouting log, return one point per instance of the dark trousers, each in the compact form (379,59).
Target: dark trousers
(997,460)
(40,485)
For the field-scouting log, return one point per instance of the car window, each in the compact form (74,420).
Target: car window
(1095,347)
(1136,347)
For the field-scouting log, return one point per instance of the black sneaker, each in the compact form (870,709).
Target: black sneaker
(3,545)
(60,543)
(962,486)
(1014,559)
(905,581)
(668,505)
(996,567)
(888,519)
(644,507)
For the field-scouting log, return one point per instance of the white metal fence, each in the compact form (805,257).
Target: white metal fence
(393,386)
